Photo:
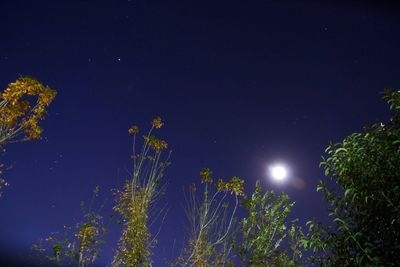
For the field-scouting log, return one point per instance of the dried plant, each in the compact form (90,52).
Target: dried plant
(212,222)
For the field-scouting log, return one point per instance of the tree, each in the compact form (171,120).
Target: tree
(265,230)
(212,222)
(20,114)
(365,199)
(135,202)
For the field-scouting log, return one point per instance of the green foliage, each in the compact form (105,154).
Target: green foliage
(265,229)
(364,204)
(78,245)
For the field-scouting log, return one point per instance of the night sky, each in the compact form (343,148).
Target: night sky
(240,85)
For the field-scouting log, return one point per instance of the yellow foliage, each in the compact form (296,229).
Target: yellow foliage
(235,186)
(17,114)
(157,123)
(134,129)
(155,143)
(134,201)
(132,205)
(87,235)
(206,175)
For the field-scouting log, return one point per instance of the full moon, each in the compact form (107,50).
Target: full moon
(278,173)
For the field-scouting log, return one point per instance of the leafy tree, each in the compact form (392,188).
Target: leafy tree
(365,200)
(135,202)
(20,114)
(265,231)
(78,245)
(212,222)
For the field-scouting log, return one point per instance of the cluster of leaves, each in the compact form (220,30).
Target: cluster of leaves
(75,245)
(234,186)
(135,242)
(19,115)
(366,198)
(217,238)
(135,200)
(265,229)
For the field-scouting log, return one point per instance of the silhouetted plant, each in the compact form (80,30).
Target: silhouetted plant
(364,204)
(78,245)
(20,115)
(212,222)
(135,201)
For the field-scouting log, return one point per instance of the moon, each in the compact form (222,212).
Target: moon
(278,173)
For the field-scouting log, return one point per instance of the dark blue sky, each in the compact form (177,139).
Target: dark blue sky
(240,84)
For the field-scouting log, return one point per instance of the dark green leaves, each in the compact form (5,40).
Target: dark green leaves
(364,203)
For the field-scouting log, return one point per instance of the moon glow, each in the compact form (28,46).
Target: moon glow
(278,173)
